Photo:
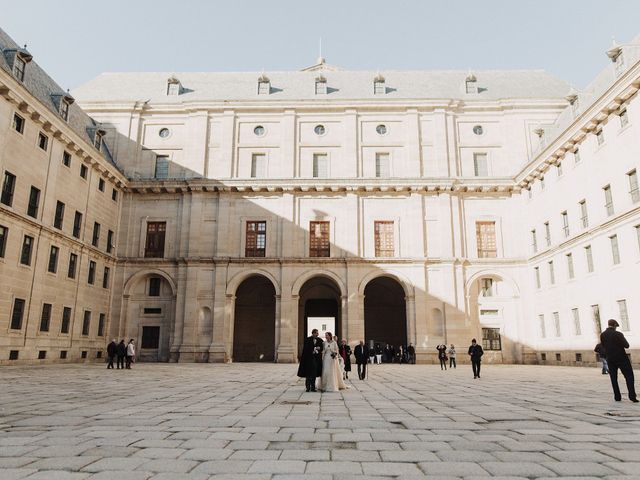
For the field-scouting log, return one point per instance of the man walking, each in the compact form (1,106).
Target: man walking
(311,360)
(361,353)
(614,345)
(111,352)
(121,352)
(475,352)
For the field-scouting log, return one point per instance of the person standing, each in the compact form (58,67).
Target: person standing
(452,356)
(475,352)
(614,345)
(311,360)
(603,358)
(111,352)
(131,353)
(121,352)
(362,354)
(442,356)
(411,352)
(345,353)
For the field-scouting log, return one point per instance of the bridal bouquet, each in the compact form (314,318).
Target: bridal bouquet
(334,355)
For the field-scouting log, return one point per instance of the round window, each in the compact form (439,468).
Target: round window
(164,132)
(320,130)
(381,129)
(259,131)
(478,130)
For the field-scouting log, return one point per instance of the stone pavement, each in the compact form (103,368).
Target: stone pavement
(249,421)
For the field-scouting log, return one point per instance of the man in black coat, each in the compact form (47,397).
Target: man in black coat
(614,344)
(121,352)
(111,352)
(475,353)
(311,360)
(411,353)
(362,355)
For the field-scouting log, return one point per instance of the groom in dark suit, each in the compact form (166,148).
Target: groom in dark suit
(311,360)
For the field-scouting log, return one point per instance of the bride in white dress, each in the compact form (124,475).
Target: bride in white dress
(331,380)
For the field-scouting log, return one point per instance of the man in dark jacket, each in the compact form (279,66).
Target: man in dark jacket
(475,352)
(345,352)
(362,355)
(311,360)
(614,344)
(111,352)
(121,352)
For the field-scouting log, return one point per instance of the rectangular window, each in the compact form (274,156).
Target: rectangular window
(150,338)
(615,249)
(633,186)
(382,165)
(255,239)
(534,241)
(584,214)
(73,261)
(543,327)
(321,87)
(379,87)
(552,274)
(471,86)
(83,171)
(4,235)
(575,314)
(43,141)
(565,223)
(58,220)
(264,88)
(154,247)
(105,277)
(53,259)
(595,314)
(383,239)
(624,315)
(589,255)
(491,339)
(570,270)
(556,323)
(486,239)
(624,118)
(17,314)
(101,184)
(480,165)
(95,239)
(599,136)
(608,200)
(162,167)
(576,156)
(559,169)
(18,123)
(486,287)
(64,110)
(66,159)
(109,241)
(19,67)
(114,195)
(154,286)
(66,320)
(258,165)
(320,165)
(27,247)
(547,233)
(45,318)
(77,224)
(91,277)
(101,322)
(152,311)
(34,202)
(536,271)
(319,245)
(8,187)
(86,322)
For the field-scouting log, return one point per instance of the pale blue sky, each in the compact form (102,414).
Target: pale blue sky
(75,40)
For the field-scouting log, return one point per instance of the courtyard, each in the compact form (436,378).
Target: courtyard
(254,421)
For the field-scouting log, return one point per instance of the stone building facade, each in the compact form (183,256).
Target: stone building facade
(400,207)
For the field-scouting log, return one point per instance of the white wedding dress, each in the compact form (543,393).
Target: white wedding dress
(331,379)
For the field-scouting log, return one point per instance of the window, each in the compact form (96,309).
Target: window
(105,277)
(589,254)
(552,274)
(383,239)
(624,315)
(547,233)
(66,320)
(109,241)
(595,314)
(13,354)
(101,184)
(83,171)
(633,186)
(382,165)
(4,234)
(114,195)
(77,224)
(73,262)
(66,159)
(486,239)
(43,141)
(608,200)
(91,277)
(255,239)
(570,270)
(575,314)
(471,86)
(63,354)
(491,339)
(34,202)
(478,130)
(154,247)
(559,169)
(64,109)
(18,123)
(534,241)
(97,138)
(584,214)
(8,187)
(624,118)
(258,165)
(536,271)
(154,286)
(152,311)
(319,130)
(379,87)
(319,245)
(150,338)
(321,86)
(320,165)
(173,86)
(599,136)
(576,156)
(558,357)
(565,223)
(543,327)
(86,322)
(615,249)
(19,67)
(556,323)
(578,357)
(27,247)
(17,314)
(101,322)
(162,167)
(381,129)
(264,87)
(45,318)
(53,259)
(95,238)
(259,131)
(486,287)
(542,184)
(480,166)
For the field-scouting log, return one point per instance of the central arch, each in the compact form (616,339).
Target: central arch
(385,312)
(254,322)
(319,297)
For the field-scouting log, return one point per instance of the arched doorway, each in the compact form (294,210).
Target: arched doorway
(255,321)
(319,306)
(385,312)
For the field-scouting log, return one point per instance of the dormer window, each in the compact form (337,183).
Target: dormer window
(97,138)
(321,86)
(264,85)
(173,86)
(615,54)
(19,66)
(471,85)
(18,59)
(63,108)
(379,86)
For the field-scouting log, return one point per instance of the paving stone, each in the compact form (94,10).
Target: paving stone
(56,475)
(580,468)
(452,468)
(524,469)
(117,474)
(16,473)
(334,467)
(115,463)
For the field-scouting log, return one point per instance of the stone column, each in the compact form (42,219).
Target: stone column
(287,309)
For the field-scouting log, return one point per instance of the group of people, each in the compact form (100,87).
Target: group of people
(392,354)
(613,355)
(449,353)
(123,352)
